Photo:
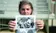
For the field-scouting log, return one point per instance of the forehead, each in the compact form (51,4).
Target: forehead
(26,6)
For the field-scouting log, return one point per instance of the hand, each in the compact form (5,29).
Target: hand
(12,25)
(40,24)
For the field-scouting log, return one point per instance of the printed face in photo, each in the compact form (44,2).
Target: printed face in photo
(26,22)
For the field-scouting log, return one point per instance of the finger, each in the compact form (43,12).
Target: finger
(40,22)
(11,26)
(40,26)
(11,22)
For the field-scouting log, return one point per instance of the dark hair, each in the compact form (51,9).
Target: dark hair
(23,3)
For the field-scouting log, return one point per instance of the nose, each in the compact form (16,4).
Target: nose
(25,10)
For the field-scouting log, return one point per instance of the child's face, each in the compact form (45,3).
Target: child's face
(26,9)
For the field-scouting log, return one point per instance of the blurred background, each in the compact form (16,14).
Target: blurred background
(43,9)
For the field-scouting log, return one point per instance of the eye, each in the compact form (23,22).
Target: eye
(23,9)
(27,9)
